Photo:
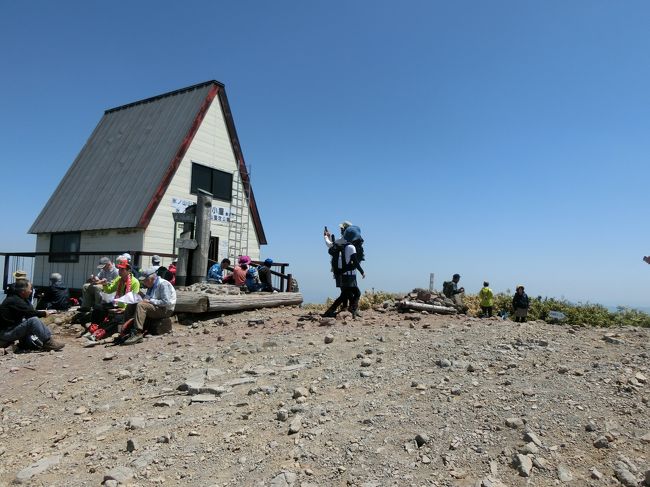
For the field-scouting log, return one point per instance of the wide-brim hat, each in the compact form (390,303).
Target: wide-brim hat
(20,275)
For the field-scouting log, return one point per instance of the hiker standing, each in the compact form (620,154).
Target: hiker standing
(520,303)
(331,244)
(347,259)
(486,298)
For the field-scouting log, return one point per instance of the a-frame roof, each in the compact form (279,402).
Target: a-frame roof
(122,172)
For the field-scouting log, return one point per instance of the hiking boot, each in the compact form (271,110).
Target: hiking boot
(133,339)
(52,344)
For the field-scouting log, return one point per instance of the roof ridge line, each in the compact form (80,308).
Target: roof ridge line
(164,95)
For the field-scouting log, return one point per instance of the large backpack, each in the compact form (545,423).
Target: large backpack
(352,235)
(448,288)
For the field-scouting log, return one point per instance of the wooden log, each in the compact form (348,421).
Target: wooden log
(194,302)
(431,308)
(191,302)
(253,301)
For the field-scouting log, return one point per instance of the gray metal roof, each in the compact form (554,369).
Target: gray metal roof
(122,166)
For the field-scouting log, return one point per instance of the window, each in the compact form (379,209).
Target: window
(218,183)
(62,244)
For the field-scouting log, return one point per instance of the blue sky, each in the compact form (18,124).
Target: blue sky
(502,140)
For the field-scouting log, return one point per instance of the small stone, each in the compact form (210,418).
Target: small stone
(563,369)
(164,403)
(524,465)
(443,363)
(564,474)
(135,423)
(295,425)
(109,356)
(591,426)
(119,474)
(625,477)
(530,436)
(80,410)
(282,415)
(300,392)
(601,442)
(514,423)
(595,474)
(329,338)
(123,374)
(131,445)
(529,448)
(111,483)
(194,433)
(421,439)
(366,374)
(366,362)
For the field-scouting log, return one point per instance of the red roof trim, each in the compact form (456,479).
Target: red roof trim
(176,161)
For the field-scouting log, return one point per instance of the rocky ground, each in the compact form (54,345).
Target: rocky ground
(279,397)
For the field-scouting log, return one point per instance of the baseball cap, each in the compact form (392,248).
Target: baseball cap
(103,261)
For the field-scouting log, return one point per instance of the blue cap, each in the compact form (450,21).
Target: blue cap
(268,261)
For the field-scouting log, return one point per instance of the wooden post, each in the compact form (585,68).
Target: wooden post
(202,236)
(184,254)
(289,286)
(5,277)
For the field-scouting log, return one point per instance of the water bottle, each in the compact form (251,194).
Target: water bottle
(35,341)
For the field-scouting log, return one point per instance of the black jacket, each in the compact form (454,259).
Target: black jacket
(14,310)
(56,296)
(520,301)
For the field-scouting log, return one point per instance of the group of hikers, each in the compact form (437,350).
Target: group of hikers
(254,278)
(520,301)
(347,254)
(119,297)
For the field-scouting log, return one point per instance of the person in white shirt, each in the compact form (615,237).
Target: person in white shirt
(158,302)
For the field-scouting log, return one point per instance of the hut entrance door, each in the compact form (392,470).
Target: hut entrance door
(213,252)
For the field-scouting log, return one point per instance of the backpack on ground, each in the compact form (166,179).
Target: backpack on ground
(448,289)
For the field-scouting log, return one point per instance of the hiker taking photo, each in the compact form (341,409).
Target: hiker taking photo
(347,254)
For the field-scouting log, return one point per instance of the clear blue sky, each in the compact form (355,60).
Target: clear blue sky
(502,140)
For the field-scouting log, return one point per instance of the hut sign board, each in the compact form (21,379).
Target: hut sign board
(219,213)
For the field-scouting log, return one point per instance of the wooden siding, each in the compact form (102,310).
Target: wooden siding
(210,147)
(92,241)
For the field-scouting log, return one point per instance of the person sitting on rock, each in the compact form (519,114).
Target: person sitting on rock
(91,290)
(123,284)
(19,321)
(57,296)
(238,275)
(266,277)
(215,274)
(18,276)
(158,302)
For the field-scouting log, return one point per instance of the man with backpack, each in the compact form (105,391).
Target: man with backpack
(451,290)
(347,254)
